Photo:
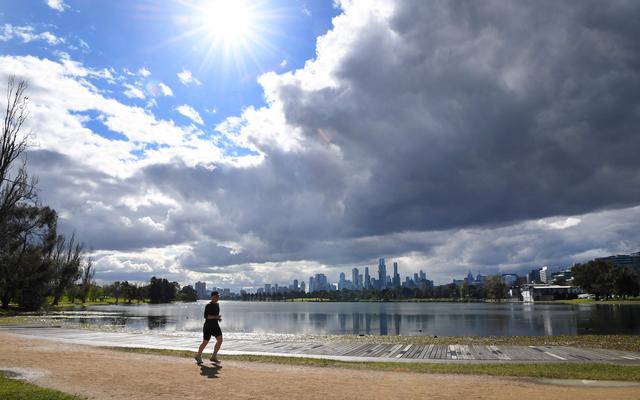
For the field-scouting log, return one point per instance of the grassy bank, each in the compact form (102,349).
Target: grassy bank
(12,389)
(593,371)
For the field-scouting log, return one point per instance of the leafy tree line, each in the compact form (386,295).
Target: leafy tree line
(494,289)
(605,280)
(35,260)
(159,290)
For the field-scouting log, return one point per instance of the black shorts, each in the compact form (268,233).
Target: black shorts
(211,329)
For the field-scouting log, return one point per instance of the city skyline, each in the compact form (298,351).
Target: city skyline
(270,141)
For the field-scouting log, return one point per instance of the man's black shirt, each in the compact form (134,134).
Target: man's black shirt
(212,309)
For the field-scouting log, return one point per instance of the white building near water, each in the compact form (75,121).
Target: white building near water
(532,293)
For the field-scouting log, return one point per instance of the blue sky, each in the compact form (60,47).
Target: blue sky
(159,38)
(491,137)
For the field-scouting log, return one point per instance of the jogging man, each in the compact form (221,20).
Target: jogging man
(211,328)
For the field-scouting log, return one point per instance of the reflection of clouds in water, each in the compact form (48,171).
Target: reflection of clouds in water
(259,320)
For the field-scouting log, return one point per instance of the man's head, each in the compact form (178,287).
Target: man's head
(215,296)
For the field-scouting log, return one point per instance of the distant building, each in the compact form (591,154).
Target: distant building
(342,282)
(367,278)
(303,287)
(382,274)
(319,282)
(396,276)
(534,276)
(532,293)
(545,274)
(623,260)
(201,289)
(355,279)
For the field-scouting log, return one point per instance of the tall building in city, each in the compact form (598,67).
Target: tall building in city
(534,276)
(295,285)
(267,288)
(382,274)
(367,278)
(303,287)
(319,282)
(545,274)
(342,282)
(355,279)
(201,289)
(422,276)
(396,276)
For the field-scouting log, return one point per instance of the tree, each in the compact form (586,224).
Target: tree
(15,185)
(495,288)
(594,277)
(17,191)
(29,254)
(188,293)
(66,259)
(88,272)
(162,291)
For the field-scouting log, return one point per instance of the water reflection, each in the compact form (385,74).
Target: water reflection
(443,319)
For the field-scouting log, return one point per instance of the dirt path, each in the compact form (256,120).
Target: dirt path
(107,374)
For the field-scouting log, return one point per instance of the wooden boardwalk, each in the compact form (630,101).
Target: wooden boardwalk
(340,350)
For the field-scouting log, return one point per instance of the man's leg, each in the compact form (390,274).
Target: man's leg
(201,349)
(217,346)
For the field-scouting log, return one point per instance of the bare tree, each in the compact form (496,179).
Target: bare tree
(88,272)
(66,258)
(15,185)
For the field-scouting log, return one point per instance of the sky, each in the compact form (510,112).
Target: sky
(242,143)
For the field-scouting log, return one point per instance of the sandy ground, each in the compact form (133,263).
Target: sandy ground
(107,374)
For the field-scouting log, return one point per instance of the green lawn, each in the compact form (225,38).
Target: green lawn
(13,389)
(595,371)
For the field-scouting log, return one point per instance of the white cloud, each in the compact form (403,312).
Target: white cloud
(133,92)
(190,113)
(283,63)
(165,90)
(560,223)
(27,34)
(57,5)
(57,121)
(144,72)
(186,77)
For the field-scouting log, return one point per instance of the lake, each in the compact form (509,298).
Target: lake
(442,319)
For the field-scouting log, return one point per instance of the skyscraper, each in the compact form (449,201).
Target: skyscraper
(342,283)
(396,276)
(355,278)
(201,289)
(367,278)
(382,274)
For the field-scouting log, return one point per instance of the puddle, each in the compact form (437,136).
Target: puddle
(25,374)
(587,383)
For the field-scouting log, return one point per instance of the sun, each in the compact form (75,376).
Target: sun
(228,22)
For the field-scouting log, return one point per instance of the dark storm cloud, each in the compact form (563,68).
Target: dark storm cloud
(469,113)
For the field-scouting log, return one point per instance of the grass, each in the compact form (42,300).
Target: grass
(593,371)
(12,389)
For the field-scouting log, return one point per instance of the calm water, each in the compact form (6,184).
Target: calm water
(443,319)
